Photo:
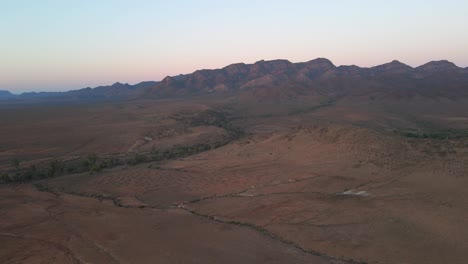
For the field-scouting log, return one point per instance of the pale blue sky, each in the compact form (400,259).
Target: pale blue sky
(65,44)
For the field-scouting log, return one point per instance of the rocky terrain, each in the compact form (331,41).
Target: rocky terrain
(274,162)
(280,79)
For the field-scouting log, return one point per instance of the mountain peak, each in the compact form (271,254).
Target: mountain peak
(272,61)
(321,61)
(236,68)
(394,66)
(272,65)
(316,66)
(441,65)
(396,62)
(235,65)
(167,79)
(118,84)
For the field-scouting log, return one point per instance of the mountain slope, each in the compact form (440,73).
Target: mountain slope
(6,95)
(320,76)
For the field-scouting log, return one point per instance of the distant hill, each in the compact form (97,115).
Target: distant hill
(111,92)
(6,95)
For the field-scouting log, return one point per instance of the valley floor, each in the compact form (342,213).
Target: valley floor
(290,190)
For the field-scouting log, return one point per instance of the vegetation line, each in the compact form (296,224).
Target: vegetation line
(93,163)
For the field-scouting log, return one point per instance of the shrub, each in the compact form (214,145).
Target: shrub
(5,178)
(55,168)
(137,158)
(91,163)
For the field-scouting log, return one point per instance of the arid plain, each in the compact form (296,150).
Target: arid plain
(261,176)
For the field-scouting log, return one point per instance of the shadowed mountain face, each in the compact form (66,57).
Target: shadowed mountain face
(321,77)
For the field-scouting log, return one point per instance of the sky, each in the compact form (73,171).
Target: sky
(53,45)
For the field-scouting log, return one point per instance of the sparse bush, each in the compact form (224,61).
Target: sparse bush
(137,159)
(437,134)
(29,174)
(92,164)
(55,168)
(156,155)
(114,162)
(103,164)
(5,178)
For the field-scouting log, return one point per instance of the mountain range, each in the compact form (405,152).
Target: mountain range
(115,91)
(283,79)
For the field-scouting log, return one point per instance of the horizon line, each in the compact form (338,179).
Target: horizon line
(235,63)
